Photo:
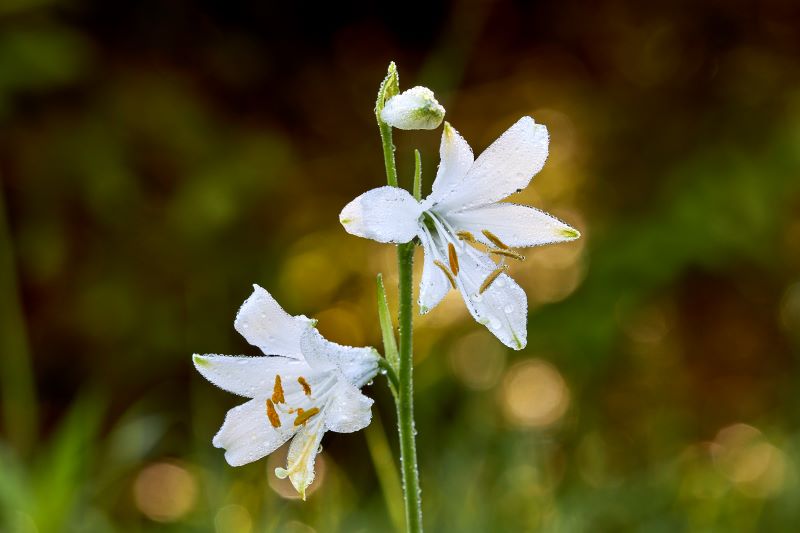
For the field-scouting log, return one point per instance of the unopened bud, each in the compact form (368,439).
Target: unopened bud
(414,109)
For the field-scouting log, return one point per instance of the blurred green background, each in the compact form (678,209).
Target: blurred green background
(156,158)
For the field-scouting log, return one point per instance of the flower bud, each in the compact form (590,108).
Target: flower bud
(414,109)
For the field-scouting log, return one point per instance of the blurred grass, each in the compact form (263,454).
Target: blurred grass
(156,160)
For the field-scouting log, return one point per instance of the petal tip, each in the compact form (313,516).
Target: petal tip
(568,233)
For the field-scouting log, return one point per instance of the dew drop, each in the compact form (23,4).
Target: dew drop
(494,323)
(245,325)
(477,298)
(263,315)
(500,283)
(319,449)
(383,371)
(369,382)
(508,309)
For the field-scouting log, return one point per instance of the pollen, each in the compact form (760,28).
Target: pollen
(466,236)
(446,272)
(495,240)
(306,387)
(277,391)
(491,277)
(507,253)
(272,414)
(303,416)
(453,257)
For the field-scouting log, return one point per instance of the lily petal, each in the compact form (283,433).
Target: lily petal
(266,325)
(349,410)
(455,159)
(385,214)
(434,284)
(357,365)
(247,434)
(516,225)
(505,167)
(302,454)
(502,306)
(250,377)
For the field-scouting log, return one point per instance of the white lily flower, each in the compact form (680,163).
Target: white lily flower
(462,211)
(414,109)
(305,386)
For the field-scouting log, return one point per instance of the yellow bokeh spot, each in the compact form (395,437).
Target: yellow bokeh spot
(534,394)
(164,491)
(478,360)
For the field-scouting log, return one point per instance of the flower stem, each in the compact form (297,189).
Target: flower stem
(404,398)
(388,153)
(405,403)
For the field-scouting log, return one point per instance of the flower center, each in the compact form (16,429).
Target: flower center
(304,406)
(439,235)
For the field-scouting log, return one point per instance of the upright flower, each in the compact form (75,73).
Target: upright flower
(305,386)
(463,225)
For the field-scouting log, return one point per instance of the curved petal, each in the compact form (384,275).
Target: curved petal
(247,435)
(516,225)
(349,410)
(385,214)
(434,284)
(357,365)
(266,325)
(250,377)
(455,159)
(502,307)
(504,168)
(302,454)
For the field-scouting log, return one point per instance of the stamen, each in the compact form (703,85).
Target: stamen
(272,414)
(491,277)
(446,272)
(466,236)
(507,253)
(451,255)
(306,387)
(495,239)
(277,391)
(303,416)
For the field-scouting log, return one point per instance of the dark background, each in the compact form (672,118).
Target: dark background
(157,158)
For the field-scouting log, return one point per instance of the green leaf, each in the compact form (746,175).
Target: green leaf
(387,329)
(417,175)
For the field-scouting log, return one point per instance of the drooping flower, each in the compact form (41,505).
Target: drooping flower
(304,386)
(414,109)
(463,225)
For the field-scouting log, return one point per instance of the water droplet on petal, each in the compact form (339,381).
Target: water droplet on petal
(494,323)
(477,298)
(500,283)
(508,309)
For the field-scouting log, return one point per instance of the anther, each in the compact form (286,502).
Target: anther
(466,236)
(491,277)
(446,272)
(495,239)
(303,416)
(306,387)
(451,255)
(508,253)
(272,414)
(277,391)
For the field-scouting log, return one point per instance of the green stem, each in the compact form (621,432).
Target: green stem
(388,153)
(405,403)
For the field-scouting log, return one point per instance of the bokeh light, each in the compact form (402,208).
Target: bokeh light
(165,491)
(534,394)
(478,360)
